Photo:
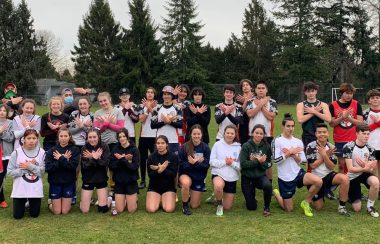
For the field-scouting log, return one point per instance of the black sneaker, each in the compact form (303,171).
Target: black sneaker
(186,210)
(330,195)
(373,212)
(142,185)
(266,212)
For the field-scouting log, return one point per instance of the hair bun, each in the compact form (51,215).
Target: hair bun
(288,116)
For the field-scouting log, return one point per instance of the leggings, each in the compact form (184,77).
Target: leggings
(19,207)
(145,144)
(2,180)
(249,185)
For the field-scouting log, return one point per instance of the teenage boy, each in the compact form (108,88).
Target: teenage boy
(311,112)
(262,109)
(361,166)
(130,112)
(321,162)
(346,114)
(228,112)
(372,117)
(288,154)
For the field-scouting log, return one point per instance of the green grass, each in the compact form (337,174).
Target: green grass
(237,225)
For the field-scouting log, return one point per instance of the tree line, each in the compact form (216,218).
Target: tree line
(327,41)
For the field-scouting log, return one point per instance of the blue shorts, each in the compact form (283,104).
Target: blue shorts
(288,188)
(339,148)
(198,185)
(57,191)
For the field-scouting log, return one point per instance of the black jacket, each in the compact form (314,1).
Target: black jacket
(124,171)
(166,178)
(62,171)
(95,170)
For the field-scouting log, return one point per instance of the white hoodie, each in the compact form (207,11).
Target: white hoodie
(219,152)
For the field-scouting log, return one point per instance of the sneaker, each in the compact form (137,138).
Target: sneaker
(342,210)
(306,208)
(74,200)
(186,210)
(3,204)
(113,212)
(373,212)
(219,210)
(211,199)
(363,198)
(330,195)
(266,212)
(142,185)
(276,192)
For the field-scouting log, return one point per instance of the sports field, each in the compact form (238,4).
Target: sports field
(236,226)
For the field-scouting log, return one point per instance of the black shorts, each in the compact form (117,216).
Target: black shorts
(288,188)
(92,186)
(126,188)
(339,148)
(355,191)
(229,186)
(327,184)
(161,190)
(306,139)
(196,185)
(377,154)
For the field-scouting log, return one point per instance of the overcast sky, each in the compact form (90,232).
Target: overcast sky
(63,17)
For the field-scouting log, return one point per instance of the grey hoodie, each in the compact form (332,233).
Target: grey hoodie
(7,139)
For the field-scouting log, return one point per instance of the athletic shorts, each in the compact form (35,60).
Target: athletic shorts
(327,184)
(229,186)
(161,190)
(57,191)
(129,188)
(288,188)
(377,154)
(339,148)
(92,186)
(355,191)
(196,185)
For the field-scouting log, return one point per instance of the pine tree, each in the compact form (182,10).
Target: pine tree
(142,36)
(26,58)
(234,65)
(182,43)
(260,42)
(97,57)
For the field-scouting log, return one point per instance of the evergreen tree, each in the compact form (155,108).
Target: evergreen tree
(182,43)
(97,57)
(233,60)
(142,37)
(26,59)
(260,42)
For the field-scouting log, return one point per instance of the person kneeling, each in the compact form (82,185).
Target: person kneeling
(322,161)
(162,171)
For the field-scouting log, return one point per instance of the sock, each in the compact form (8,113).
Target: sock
(219,202)
(341,203)
(185,204)
(370,203)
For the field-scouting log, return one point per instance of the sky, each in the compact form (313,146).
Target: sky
(63,17)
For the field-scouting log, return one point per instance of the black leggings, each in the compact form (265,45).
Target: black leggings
(145,144)
(249,185)
(2,180)
(19,207)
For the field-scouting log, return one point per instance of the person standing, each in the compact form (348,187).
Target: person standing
(346,114)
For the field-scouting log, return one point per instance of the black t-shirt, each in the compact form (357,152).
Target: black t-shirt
(49,134)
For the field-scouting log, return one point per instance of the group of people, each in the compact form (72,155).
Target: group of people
(173,150)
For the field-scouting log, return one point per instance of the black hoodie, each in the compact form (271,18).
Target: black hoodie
(95,170)
(124,171)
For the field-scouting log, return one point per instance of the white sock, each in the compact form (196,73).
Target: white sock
(370,203)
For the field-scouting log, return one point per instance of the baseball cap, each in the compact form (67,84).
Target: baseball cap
(124,91)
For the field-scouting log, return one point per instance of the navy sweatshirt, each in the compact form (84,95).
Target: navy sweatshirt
(197,171)
(95,170)
(165,180)
(124,171)
(62,171)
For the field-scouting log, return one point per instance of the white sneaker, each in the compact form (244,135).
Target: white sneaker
(373,212)
(342,210)
(219,210)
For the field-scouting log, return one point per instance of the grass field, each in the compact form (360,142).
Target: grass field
(236,226)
